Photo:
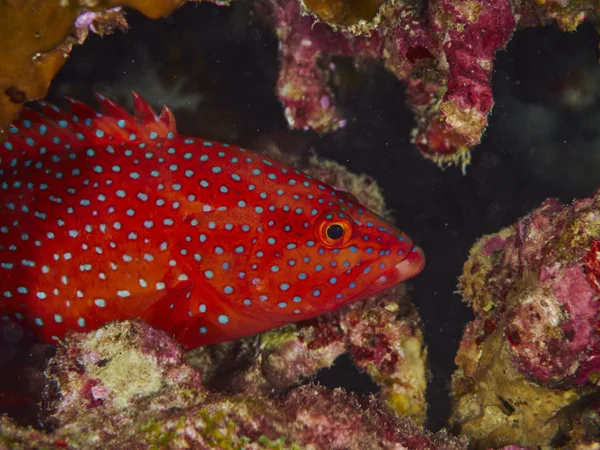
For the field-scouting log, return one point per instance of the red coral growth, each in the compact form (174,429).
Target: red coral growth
(534,287)
(154,399)
(591,262)
(540,290)
(442,50)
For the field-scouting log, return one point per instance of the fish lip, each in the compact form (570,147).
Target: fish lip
(412,265)
(408,268)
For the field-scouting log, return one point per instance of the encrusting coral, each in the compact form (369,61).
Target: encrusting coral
(529,362)
(442,50)
(126,385)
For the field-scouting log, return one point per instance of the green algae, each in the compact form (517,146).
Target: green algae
(157,436)
(276,338)
(228,439)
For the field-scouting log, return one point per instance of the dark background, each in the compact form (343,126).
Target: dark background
(218,68)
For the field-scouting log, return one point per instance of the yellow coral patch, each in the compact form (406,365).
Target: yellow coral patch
(37,38)
(343,12)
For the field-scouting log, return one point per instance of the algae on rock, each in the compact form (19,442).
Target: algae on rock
(38,35)
(86,409)
(528,363)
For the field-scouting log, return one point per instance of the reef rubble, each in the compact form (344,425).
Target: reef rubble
(127,385)
(528,364)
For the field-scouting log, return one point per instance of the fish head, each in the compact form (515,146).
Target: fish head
(383,255)
(341,255)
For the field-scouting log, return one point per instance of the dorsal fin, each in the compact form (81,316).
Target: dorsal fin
(142,109)
(81,125)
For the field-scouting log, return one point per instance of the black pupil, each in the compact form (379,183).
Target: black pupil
(335,231)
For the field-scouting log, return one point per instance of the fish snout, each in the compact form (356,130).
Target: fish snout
(412,265)
(395,272)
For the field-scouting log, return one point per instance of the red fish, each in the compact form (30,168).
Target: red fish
(112,216)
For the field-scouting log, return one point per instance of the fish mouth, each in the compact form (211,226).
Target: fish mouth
(408,268)
(412,265)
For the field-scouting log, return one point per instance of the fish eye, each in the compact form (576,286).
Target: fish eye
(334,228)
(335,231)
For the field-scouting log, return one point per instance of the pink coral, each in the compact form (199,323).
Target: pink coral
(441,49)
(550,321)
(534,289)
(99,23)
(592,265)
(150,398)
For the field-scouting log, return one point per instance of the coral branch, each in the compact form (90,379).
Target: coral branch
(442,50)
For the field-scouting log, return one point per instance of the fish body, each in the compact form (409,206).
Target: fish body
(112,216)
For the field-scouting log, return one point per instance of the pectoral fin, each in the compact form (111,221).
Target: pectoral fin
(171,311)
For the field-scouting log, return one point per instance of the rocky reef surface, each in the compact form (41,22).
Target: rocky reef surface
(529,362)
(127,385)
(527,370)
(442,51)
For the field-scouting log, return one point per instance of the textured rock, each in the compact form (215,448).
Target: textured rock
(531,355)
(126,385)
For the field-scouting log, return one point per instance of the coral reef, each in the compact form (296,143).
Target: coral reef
(529,362)
(127,385)
(442,52)
(383,338)
(37,38)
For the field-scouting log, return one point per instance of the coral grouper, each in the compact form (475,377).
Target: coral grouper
(110,216)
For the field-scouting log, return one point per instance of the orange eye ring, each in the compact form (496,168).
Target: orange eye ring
(334,229)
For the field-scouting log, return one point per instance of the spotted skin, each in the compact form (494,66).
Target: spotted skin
(110,216)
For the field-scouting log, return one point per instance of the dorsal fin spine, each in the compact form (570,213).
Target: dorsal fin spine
(82,125)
